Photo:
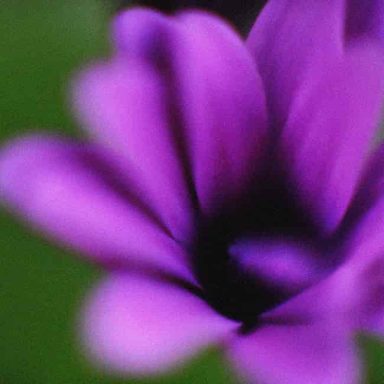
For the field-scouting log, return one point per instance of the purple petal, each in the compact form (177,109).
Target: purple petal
(324,87)
(62,188)
(330,130)
(124,107)
(370,190)
(298,354)
(282,264)
(365,21)
(368,298)
(366,240)
(140,326)
(290,39)
(217,98)
(352,296)
(293,40)
(364,249)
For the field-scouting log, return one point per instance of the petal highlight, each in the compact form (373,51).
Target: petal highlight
(139,326)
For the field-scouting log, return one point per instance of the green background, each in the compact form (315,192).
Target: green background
(42,43)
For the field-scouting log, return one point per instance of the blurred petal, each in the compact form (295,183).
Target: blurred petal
(365,238)
(370,190)
(352,296)
(363,271)
(324,84)
(290,39)
(354,292)
(66,190)
(293,40)
(299,354)
(368,298)
(124,106)
(330,131)
(366,21)
(281,264)
(141,326)
(218,102)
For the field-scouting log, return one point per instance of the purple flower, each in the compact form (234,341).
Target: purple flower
(230,190)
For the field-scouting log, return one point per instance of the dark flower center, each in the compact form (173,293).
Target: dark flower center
(256,253)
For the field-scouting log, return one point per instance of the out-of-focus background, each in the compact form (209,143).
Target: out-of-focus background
(42,44)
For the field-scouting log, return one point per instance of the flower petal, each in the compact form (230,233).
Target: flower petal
(124,107)
(354,292)
(365,238)
(67,191)
(279,263)
(218,102)
(290,39)
(140,326)
(370,191)
(302,47)
(363,269)
(293,40)
(330,130)
(367,298)
(297,354)
(367,21)
(352,296)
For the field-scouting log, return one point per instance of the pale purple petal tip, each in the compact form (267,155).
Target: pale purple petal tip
(138,326)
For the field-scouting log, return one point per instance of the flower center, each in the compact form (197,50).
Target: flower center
(256,254)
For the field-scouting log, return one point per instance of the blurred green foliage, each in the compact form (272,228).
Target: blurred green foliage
(374,359)
(41,287)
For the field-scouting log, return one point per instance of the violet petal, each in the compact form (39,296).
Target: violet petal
(278,263)
(136,325)
(216,91)
(352,296)
(302,47)
(289,40)
(123,106)
(297,354)
(365,21)
(54,184)
(330,131)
